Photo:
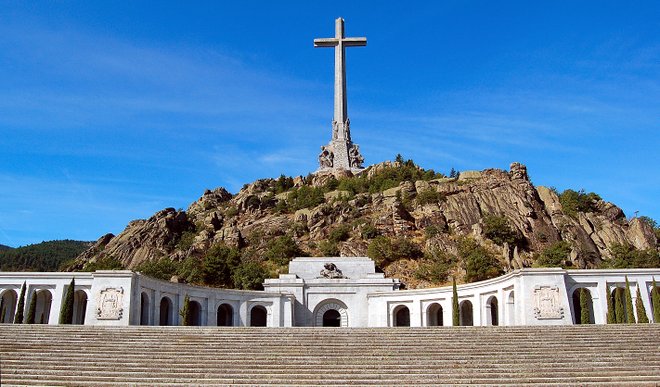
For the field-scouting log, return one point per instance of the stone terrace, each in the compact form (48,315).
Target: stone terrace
(111,356)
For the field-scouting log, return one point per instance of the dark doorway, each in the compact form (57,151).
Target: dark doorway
(402,316)
(196,313)
(165,311)
(331,318)
(466,314)
(225,315)
(493,311)
(258,317)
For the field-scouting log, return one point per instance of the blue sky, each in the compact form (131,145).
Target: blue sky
(110,112)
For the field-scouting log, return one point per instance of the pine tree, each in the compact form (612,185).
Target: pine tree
(66,312)
(641,310)
(18,318)
(584,306)
(185,312)
(455,317)
(618,306)
(630,314)
(32,310)
(655,300)
(611,317)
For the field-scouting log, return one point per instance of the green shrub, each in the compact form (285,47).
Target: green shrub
(66,311)
(218,265)
(573,202)
(429,196)
(480,264)
(611,312)
(282,184)
(186,313)
(231,212)
(555,255)
(384,250)
(436,265)
(249,276)
(431,231)
(329,248)
(369,231)
(455,316)
(190,270)
(18,317)
(32,309)
(163,268)
(305,197)
(497,229)
(104,263)
(626,256)
(639,307)
(655,302)
(585,317)
(340,234)
(281,249)
(186,240)
(619,307)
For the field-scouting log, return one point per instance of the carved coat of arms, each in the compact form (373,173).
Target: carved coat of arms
(109,304)
(546,303)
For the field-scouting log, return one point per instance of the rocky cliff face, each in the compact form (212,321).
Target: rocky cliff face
(452,207)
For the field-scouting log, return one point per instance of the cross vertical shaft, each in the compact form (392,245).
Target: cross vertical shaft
(341,153)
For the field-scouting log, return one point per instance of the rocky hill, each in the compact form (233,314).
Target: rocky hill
(418,225)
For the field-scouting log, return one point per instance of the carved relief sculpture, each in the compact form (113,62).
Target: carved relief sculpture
(109,304)
(546,303)
(326,157)
(331,271)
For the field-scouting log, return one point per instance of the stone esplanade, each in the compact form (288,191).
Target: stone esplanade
(341,152)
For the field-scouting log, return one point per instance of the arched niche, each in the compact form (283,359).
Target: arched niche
(258,316)
(401,316)
(166,309)
(466,313)
(324,310)
(225,315)
(9,299)
(434,315)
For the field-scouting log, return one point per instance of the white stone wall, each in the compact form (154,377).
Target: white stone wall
(524,297)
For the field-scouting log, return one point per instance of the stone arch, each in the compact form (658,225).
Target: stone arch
(225,316)
(466,315)
(166,309)
(511,308)
(327,306)
(44,302)
(144,308)
(434,315)
(654,289)
(195,313)
(401,316)
(258,316)
(577,306)
(8,310)
(492,311)
(79,306)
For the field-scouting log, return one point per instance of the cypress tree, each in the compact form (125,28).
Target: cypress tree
(32,310)
(641,310)
(455,317)
(618,306)
(611,317)
(185,312)
(655,300)
(630,314)
(66,311)
(18,318)
(584,306)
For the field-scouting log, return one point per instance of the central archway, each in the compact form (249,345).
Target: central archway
(331,313)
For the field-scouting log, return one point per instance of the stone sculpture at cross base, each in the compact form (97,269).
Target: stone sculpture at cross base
(341,152)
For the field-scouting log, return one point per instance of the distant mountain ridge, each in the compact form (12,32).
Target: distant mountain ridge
(4,247)
(418,225)
(44,256)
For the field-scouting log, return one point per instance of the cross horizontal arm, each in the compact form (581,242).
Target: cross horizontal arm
(328,42)
(351,42)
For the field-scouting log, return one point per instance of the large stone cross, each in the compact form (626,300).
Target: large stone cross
(341,153)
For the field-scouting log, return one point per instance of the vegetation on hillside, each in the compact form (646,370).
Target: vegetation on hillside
(44,256)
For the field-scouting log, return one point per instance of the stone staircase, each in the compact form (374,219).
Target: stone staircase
(157,356)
